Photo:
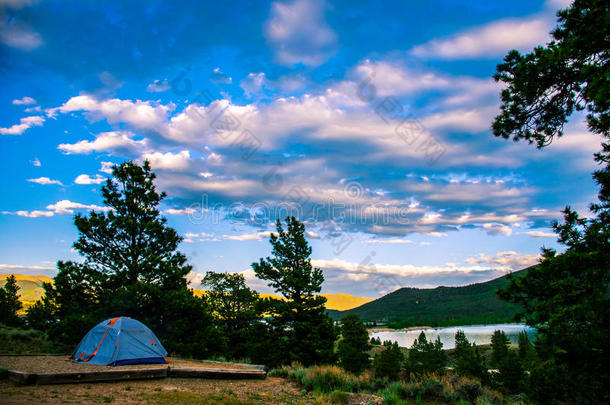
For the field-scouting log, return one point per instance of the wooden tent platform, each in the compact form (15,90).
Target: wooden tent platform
(78,373)
(24,378)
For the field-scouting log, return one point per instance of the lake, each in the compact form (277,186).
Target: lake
(480,335)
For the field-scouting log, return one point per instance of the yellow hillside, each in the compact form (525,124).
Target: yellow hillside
(30,287)
(31,291)
(339,302)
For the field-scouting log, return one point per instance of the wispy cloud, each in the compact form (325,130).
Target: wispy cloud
(298,33)
(45,180)
(24,101)
(489,41)
(24,124)
(86,179)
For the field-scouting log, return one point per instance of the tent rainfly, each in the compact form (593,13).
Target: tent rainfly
(120,341)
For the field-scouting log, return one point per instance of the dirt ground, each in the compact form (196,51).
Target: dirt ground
(163,391)
(63,364)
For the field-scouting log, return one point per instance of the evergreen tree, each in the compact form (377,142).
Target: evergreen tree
(566,295)
(308,333)
(388,362)
(131,267)
(468,359)
(511,373)
(353,346)
(526,350)
(425,356)
(9,302)
(234,304)
(499,346)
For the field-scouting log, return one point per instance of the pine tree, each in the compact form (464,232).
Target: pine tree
(425,356)
(566,296)
(131,267)
(9,302)
(235,306)
(353,346)
(468,359)
(309,332)
(499,346)
(388,362)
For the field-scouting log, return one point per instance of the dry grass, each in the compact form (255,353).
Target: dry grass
(167,391)
(63,364)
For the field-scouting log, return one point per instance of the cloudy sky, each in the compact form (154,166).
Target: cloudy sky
(370,122)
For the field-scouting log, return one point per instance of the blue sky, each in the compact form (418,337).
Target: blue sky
(368,120)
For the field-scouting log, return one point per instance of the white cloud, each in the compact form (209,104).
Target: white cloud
(107,167)
(398,269)
(509,259)
(312,235)
(539,234)
(45,180)
(497,229)
(249,236)
(68,207)
(36,162)
(147,115)
(169,160)
(85,179)
(19,36)
(24,124)
(253,83)
(24,101)
(491,40)
(298,33)
(158,86)
(105,141)
(30,214)
(180,211)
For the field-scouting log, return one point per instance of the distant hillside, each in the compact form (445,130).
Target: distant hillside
(441,306)
(31,291)
(30,287)
(338,302)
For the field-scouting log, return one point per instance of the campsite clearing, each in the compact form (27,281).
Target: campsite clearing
(63,364)
(166,391)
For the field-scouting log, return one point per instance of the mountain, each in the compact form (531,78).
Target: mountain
(30,287)
(337,302)
(31,290)
(441,306)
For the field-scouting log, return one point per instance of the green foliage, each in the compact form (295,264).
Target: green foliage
(353,346)
(236,308)
(511,374)
(425,389)
(526,349)
(131,267)
(441,306)
(304,331)
(566,295)
(388,362)
(569,74)
(425,357)
(27,341)
(9,302)
(468,358)
(499,346)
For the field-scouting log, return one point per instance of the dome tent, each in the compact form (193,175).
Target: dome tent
(120,341)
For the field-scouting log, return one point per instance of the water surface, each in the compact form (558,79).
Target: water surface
(480,335)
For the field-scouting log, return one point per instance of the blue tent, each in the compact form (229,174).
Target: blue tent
(120,341)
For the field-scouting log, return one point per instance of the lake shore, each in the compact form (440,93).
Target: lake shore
(373,330)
